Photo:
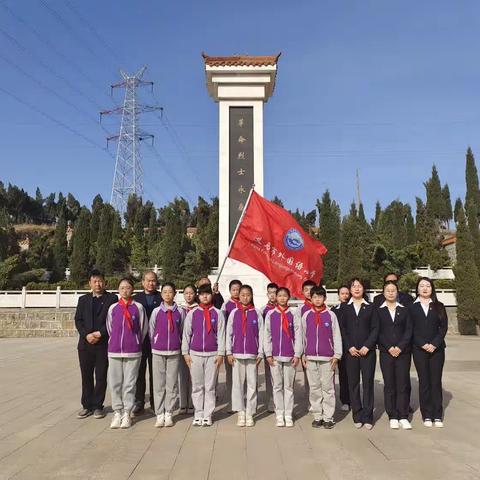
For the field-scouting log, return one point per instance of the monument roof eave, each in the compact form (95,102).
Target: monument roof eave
(241,60)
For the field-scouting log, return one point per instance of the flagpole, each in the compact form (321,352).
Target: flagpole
(235,233)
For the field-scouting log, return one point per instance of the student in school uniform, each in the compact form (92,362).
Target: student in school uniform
(403,298)
(301,309)
(395,345)
(244,345)
(203,348)
(343,293)
(283,349)
(430,325)
(322,349)
(227,308)
(127,326)
(184,380)
(150,299)
(166,326)
(359,327)
(90,318)
(217,296)
(270,305)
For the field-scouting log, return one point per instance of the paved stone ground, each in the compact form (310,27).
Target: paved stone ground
(40,438)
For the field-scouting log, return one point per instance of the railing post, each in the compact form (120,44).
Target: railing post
(57,297)
(24,297)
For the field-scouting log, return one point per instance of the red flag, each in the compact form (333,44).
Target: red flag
(271,241)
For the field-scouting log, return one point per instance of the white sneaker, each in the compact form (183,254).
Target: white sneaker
(438,423)
(116,420)
(345,407)
(405,424)
(207,422)
(197,422)
(288,421)
(368,426)
(249,421)
(427,422)
(160,421)
(168,419)
(126,420)
(280,421)
(241,419)
(394,424)
(358,424)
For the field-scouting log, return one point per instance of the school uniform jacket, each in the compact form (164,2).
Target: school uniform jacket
(250,345)
(166,338)
(358,331)
(430,328)
(395,333)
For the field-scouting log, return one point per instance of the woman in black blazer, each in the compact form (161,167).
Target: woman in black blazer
(359,326)
(394,343)
(430,325)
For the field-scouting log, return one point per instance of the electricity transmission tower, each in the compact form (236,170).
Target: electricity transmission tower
(128,176)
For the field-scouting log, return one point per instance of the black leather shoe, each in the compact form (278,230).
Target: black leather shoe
(328,425)
(137,410)
(99,413)
(317,423)
(84,413)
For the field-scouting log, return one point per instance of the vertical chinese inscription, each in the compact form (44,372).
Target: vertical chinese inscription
(240,161)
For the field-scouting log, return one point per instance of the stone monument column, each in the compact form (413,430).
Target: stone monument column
(240,85)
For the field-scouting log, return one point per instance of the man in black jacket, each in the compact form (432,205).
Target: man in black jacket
(150,299)
(403,298)
(90,318)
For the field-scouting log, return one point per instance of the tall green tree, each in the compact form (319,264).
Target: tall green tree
(435,200)
(104,259)
(80,260)
(60,255)
(467,278)
(472,203)
(447,205)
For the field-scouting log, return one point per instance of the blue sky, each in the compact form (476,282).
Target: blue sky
(388,87)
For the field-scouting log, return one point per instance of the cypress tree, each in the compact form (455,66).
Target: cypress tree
(378,213)
(435,201)
(97,207)
(80,261)
(467,279)
(409,225)
(447,204)
(472,203)
(330,223)
(60,256)
(105,246)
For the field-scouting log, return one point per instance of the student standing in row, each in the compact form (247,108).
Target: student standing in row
(227,308)
(271,304)
(90,318)
(394,343)
(203,348)
(430,325)
(244,347)
(166,327)
(322,346)
(150,299)
(217,296)
(127,326)
(343,293)
(283,349)
(359,333)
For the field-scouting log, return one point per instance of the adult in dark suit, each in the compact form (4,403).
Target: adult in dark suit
(395,345)
(90,318)
(404,298)
(359,325)
(430,325)
(150,299)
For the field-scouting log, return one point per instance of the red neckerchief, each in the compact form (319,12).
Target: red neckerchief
(283,312)
(317,312)
(272,305)
(126,313)
(170,319)
(236,302)
(206,314)
(244,309)
(308,303)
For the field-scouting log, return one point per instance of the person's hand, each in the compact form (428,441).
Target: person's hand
(363,351)
(354,352)
(295,361)
(91,339)
(334,363)
(188,360)
(392,351)
(398,351)
(231,359)
(215,288)
(304,361)
(218,361)
(270,361)
(259,359)
(97,334)
(425,347)
(430,348)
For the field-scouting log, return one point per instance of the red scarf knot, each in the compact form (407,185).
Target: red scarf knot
(245,309)
(283,312)
(207,316)
(126,313)
(318,311)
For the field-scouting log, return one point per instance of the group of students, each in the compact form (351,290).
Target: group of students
(189,343)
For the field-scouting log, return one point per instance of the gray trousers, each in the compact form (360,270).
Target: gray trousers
(244,370)
(321,378)
(283,376)
(204,378)
(228,383)
(184,385)
(268,386)
(122,379)
(165,382)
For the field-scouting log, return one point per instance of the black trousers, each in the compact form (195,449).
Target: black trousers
(429,369)
(93,362)
(343,381)
(362,409)
(141,381)
(396,379)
